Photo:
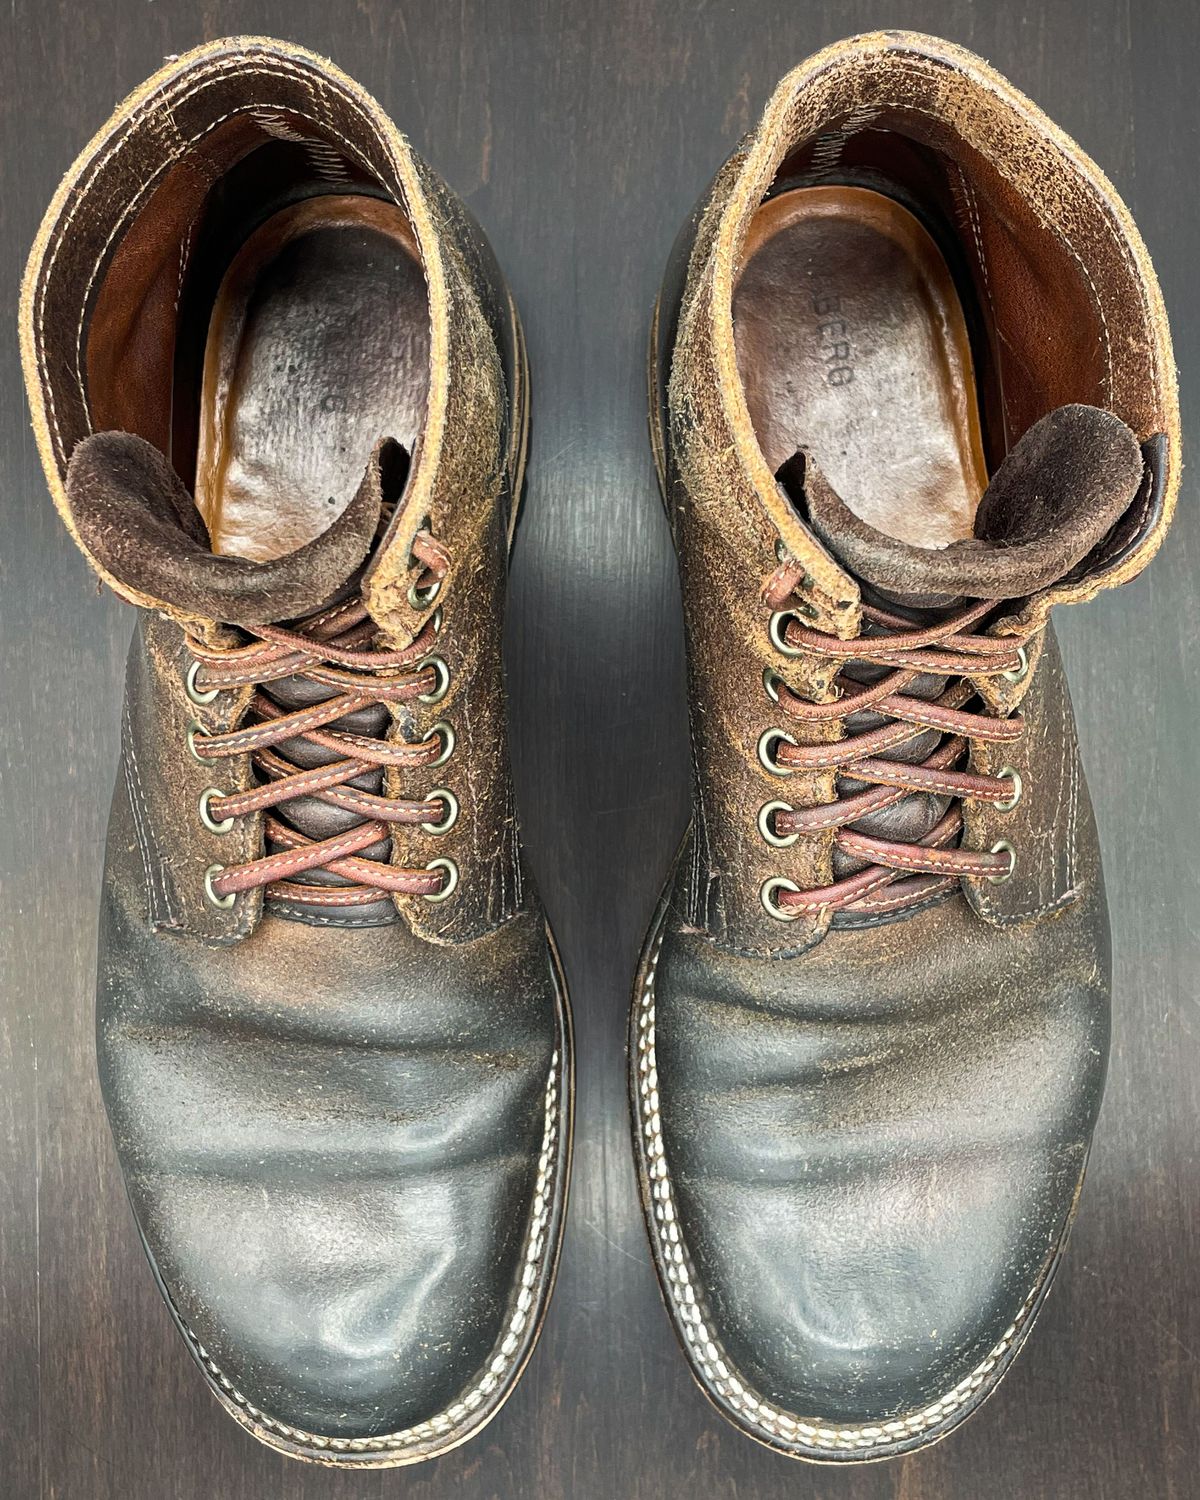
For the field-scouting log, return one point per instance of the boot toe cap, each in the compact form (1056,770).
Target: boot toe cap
(319,1320)
(860,1184)
(843,1309)
(351,1189)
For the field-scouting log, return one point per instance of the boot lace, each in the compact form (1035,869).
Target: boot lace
(881,713)
(334,668)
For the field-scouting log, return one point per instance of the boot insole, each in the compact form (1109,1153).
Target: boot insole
(852,345)
(318,347)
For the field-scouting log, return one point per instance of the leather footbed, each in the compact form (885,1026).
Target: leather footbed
(852,345)
(318,346)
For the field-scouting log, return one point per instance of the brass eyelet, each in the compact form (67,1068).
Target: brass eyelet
(777,631)
(766,895)
(435,620)
(776,840)
(444,795)
(451,870)
(1021,671)
(193,692)
(222,903)
(771,683)
(446,731)
(766,759)
(1007,773)
(195,728)
(443,683)
(421,598)
(1003,847)
(206,816)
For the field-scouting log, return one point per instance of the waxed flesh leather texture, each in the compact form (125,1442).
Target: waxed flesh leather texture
(333,1175)
(346,1144)
(862,1144)
(875,1156)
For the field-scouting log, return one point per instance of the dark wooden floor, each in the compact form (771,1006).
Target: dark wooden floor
(580,133)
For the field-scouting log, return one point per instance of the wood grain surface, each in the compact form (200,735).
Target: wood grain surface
(580,133)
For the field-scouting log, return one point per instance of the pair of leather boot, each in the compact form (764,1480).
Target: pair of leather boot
(911,387)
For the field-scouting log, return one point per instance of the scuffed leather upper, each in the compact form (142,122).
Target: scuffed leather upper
(862,1139)
(875,1143)
(330,1137)
(345,1136)
(875,1147)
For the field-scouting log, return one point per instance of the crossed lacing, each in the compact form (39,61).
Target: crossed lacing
(334,651)
(947,649)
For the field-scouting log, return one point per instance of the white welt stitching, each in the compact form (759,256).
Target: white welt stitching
(705,1349)
(503,1358)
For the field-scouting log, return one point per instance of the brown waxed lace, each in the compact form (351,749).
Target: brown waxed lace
(914,871)
(335,649)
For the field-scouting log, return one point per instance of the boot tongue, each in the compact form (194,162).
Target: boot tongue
(138,521)
(1055,497)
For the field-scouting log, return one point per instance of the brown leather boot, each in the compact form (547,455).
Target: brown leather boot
(280,394)
(912,387)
